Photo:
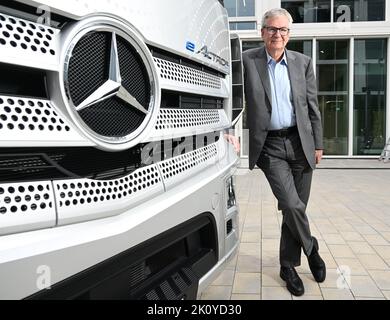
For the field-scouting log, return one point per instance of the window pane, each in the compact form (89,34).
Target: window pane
(242,25)
(246,25)
(245,8)
(308,11)
(370,96)
(334,112)
(332,50)
(359,10)
(302,46)
(230,6)
(251,44)
(332,79)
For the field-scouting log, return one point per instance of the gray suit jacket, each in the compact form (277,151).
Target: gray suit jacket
(259,106)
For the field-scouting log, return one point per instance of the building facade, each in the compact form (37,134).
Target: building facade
(348,42)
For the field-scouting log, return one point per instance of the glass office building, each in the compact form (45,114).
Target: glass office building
(348,42)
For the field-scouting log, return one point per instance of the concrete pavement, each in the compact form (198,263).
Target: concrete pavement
(349,212)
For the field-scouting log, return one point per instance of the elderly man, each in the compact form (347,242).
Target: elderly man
(285,138)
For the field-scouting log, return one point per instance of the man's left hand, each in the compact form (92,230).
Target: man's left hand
(319,154)
(234,141)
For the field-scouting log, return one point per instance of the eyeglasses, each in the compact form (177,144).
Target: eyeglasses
(272,30)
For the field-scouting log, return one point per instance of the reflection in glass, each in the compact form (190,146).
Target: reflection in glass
(359,10)
(308,10)
(251,25)
(245,8)
(240,8)
(246,45)
(369,96)
(332,79)
(230,6)
(302,46)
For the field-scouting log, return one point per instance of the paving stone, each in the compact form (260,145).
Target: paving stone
(353,233)
(247,283)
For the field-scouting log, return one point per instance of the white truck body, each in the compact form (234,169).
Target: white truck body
(95,84)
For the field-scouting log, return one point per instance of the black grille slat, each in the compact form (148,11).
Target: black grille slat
(48,164)
(22,162)
(22,81)
(172,269)
(177,100)
(32,164)
(152,295)
(30,167)
(179,281)
(137,273)
(167,290)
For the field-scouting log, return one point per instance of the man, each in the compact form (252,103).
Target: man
(285,138)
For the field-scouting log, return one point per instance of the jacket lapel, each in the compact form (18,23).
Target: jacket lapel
(262,69)
(293,72)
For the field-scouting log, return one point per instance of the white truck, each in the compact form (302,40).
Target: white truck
(116,181)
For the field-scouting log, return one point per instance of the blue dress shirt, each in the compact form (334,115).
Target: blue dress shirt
(283,113)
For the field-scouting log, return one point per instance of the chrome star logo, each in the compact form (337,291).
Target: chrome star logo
(109,84)
(113,86)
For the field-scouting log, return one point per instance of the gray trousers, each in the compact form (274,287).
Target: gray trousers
(285,166)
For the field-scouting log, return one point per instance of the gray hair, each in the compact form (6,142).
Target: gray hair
(277,12)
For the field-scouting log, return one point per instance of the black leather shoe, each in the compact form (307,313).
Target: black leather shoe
(294,283)
(316,264)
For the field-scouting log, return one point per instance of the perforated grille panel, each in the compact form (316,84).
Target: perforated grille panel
(23,40)
(97,198)
(176,72)
(83,192)
(30,115)
(37,122)
(32,205)
(29,204)
(26,35)
(173,118)
(182,167)
(23,119)
(185,122)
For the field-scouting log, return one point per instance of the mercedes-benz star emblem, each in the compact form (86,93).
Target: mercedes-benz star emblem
(109,81)
(113,86)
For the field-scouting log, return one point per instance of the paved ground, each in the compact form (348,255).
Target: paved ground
(349,211)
